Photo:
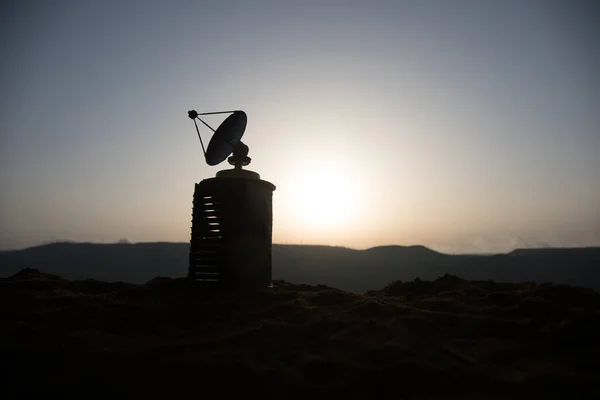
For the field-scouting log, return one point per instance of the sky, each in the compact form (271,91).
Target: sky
(463,125)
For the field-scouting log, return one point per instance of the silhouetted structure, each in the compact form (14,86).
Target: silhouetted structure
(232,232)
(232,215)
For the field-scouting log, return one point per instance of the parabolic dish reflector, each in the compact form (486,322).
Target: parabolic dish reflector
(226,137)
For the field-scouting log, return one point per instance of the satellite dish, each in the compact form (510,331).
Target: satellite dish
(226,139)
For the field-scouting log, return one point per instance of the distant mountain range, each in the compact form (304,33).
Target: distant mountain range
(339,267)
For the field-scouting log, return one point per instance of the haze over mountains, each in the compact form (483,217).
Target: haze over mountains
(343,268)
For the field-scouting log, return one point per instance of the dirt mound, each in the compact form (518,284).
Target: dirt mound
(421,339)
(31,274)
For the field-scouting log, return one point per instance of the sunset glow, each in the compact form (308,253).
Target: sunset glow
(324,198)
(465,126)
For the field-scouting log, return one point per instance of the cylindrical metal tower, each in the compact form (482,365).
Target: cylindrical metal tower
(232,224)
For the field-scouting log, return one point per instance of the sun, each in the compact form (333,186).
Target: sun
(323,197)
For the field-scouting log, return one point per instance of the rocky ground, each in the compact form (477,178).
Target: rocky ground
(445,339)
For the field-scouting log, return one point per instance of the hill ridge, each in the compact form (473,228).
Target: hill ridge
(349,269)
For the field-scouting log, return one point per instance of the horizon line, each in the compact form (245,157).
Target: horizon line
(127,242)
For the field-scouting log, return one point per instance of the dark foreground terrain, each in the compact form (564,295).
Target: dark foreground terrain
(448,338)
